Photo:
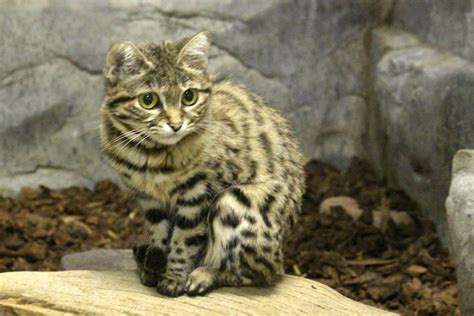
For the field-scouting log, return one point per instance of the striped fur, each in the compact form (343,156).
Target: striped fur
(217,198)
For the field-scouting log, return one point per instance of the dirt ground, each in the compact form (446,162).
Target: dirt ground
(361,238)
(390,257)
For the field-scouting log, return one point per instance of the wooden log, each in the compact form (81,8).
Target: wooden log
(120,293)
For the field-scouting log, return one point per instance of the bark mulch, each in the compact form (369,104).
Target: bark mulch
(356,235)
(38,227)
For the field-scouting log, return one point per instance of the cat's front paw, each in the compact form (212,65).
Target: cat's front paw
(151,261)
(201,281)
(171,284)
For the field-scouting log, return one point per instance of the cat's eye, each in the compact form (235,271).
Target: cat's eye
(189,97)
(149,100)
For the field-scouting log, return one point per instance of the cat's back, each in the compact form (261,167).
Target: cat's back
(257,131)
(238,101)
(247,114)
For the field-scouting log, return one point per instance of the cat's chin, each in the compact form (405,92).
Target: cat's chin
(170,140)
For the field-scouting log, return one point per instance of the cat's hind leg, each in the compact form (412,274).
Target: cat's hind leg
(245,239)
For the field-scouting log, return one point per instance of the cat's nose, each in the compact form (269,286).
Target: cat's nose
(175,126)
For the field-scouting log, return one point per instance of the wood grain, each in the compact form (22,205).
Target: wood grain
(120,293)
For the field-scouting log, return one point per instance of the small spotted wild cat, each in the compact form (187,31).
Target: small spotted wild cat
(217,172)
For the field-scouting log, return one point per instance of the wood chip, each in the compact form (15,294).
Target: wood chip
(350,206)
(415,270)
(369,262)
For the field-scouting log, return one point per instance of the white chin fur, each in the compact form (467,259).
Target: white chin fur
(169,137)
(170,140)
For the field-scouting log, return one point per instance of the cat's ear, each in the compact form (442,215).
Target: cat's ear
(123,60)
(194,52)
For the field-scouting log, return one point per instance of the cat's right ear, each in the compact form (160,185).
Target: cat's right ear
(123,60)
(194,53)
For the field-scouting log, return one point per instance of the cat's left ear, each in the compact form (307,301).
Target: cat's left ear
(194,53)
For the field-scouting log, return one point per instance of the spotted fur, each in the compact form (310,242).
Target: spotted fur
(219,194)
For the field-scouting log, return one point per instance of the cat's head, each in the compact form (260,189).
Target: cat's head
(158,90)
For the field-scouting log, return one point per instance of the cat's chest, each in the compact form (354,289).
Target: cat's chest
(158,185)
(156,174)
(162,186)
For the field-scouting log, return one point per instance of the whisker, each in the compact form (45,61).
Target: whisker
(125,135)
(121,139)
(203,128)
(124,143)
(146,136)
(140,133)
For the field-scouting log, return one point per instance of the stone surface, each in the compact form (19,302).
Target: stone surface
(445,24)
(54,178)
(99,260)
(421,114)
(306,58)
(460,212)
(121,293)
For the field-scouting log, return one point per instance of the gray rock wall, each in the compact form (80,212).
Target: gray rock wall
(421,114)
(447,24)
(460,211)
(305,57)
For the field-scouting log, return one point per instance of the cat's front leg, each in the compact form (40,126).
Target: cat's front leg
(187,241)
(186,246)
(150,256)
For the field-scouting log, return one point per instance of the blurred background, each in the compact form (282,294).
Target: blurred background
(350,83)
(387,82)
